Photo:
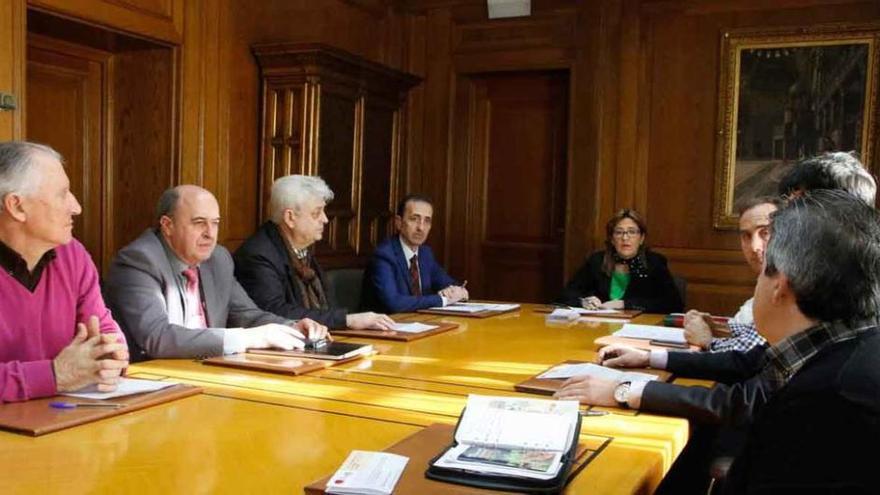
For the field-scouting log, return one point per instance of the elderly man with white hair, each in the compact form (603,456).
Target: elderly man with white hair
(278,269)
(56,334)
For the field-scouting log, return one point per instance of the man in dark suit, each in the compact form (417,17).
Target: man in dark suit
(403,274)
(174,294)
(277,267)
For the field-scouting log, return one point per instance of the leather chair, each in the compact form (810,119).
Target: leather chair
(344,287)
(681,284)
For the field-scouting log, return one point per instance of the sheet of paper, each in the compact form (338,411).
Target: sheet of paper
(476,307)
(127,386)
(651,332)
(367,473)
(460,308)
(414,327)
(518,423)
(595,370)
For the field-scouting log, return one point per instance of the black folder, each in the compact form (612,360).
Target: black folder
(506,483)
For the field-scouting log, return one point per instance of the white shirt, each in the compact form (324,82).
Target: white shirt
(744,315)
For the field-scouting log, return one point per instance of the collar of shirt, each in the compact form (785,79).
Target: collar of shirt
(12,263)
(408,253)
(177,264)
(787,357)
(293,252)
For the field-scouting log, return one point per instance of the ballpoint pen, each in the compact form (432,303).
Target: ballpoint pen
(595,413)
(74,405)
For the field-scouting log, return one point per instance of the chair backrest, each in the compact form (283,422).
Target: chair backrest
(682,285)
(344,287)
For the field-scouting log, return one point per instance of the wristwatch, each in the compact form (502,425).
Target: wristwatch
(621,394)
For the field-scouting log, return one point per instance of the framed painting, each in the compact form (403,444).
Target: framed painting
(786,95)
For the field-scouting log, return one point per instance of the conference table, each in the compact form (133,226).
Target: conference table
(261,432)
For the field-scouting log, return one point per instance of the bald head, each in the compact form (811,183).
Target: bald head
(189,220)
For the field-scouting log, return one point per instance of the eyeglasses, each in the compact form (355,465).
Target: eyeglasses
(620,234)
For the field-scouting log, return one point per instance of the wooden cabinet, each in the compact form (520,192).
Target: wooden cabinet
(330,113)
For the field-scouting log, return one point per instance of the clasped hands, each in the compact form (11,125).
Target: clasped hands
(91,358)
(454,293)
(599,391)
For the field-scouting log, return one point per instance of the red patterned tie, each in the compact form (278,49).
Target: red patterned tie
(193,295)
(414,275)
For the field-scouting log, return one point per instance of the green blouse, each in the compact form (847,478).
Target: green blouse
(619,283)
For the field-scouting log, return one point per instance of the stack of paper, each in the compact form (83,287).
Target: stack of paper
(415,327)
(513,437)
(596,371)
(602,311)
(367,473)
(467,307)
(652,332)
(126,386)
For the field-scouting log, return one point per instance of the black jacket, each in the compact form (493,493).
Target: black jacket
(732,401)
(819,433)
(655,293)
(262,267)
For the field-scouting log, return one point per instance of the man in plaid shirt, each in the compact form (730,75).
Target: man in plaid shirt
(754,232)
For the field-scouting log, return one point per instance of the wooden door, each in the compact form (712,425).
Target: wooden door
(65,110)
(518,203)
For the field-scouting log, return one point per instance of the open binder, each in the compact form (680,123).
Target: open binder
(483,465)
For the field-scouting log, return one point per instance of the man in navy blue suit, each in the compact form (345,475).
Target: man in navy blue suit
(403,274)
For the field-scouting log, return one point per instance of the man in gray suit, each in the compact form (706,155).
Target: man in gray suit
(174,294)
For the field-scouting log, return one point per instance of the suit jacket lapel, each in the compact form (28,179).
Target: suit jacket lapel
(173,295)
(273,233)
(206,274)
(401,262)
(422,274)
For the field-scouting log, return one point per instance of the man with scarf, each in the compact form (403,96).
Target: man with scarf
(277,266)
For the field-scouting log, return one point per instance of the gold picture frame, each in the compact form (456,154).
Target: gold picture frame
(787,94)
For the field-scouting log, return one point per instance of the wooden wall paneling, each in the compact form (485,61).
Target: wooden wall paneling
(436,166)
(365,31)
(354,140)
(69,96)
(677,105)
(160,20)
(464,180)
(285,111)
(339,162)
(416,63)
(144,140)
(586,171)
(12,65)
(514,44)
(200,129)
(380,173)
(521,146)
(719,281)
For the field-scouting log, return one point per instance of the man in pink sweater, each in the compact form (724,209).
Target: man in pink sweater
(56,334)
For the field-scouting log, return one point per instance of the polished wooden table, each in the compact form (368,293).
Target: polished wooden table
(254,432)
